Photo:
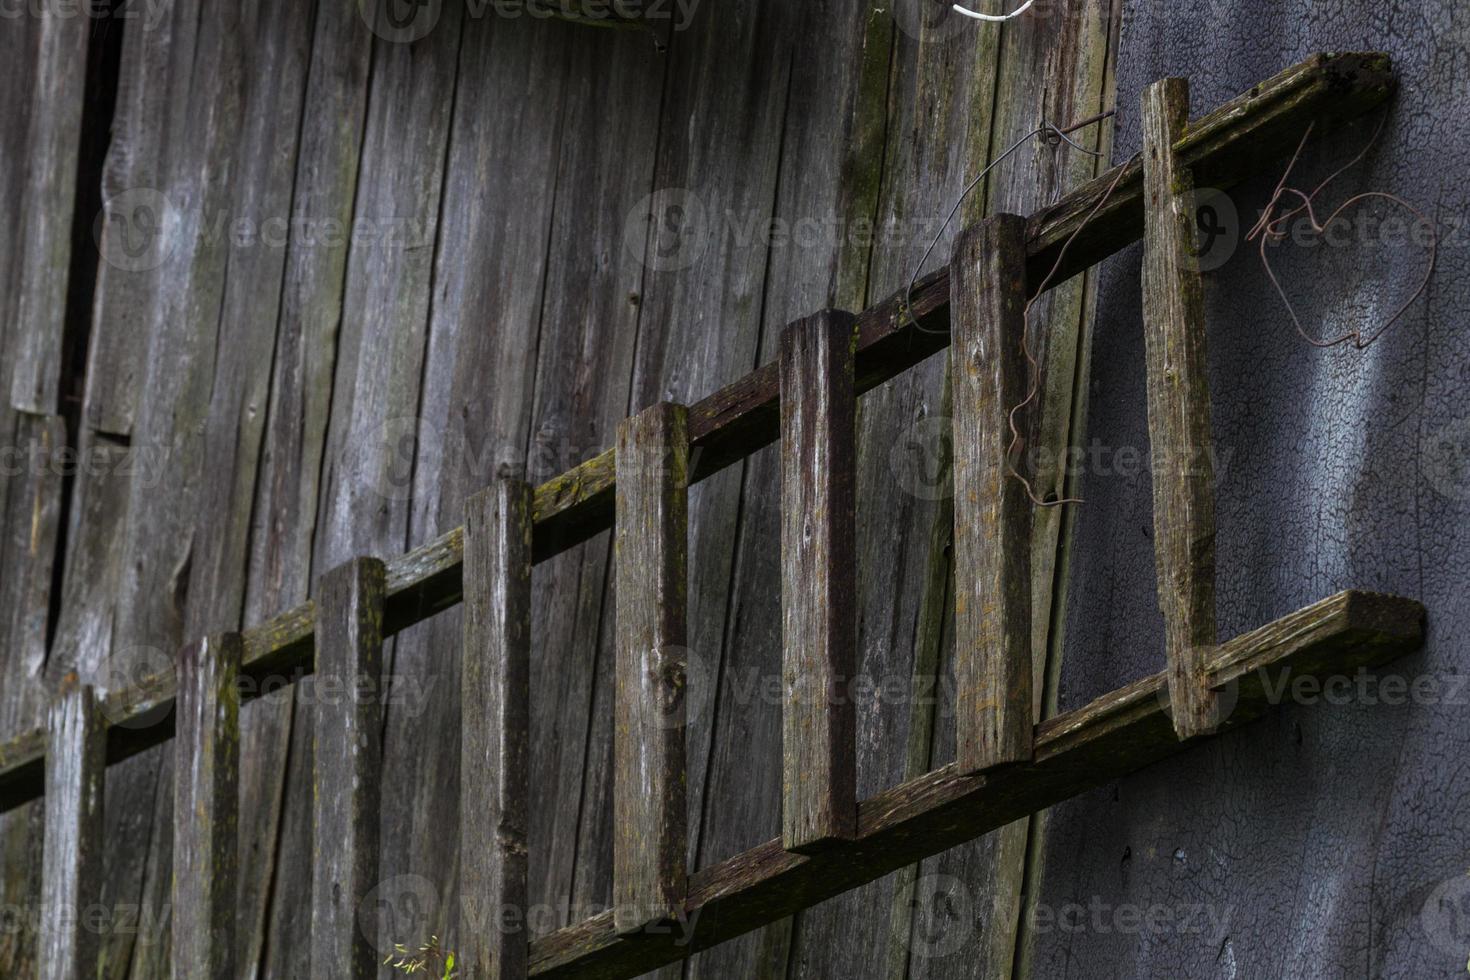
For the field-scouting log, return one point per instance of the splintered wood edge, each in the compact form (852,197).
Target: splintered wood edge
(1117,734)
(1230,143)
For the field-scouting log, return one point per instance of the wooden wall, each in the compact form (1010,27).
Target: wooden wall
(388,268)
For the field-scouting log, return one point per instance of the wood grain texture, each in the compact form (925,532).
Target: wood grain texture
(228,437)
(583,378)
(71,875)
(347,759)
(365,485)
(818,582)
(833,131)
(28,544)
(279,567)
(130,619)
(495,707)
(31,533)
(123,294)
(1178,409)
(206,808)
(1057,68)
(940,102)
(650,829)
(994,713)
(943,92)
(1117,734)
(56,88)
(486,319)
(46,56)
(696,278)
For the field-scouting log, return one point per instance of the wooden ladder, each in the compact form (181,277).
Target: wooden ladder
(1008,762)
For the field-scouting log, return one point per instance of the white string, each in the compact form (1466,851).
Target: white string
(995,18)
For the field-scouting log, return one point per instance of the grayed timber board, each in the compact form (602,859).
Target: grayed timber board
(939,108)
(365,488)
(285,496)
(831,165)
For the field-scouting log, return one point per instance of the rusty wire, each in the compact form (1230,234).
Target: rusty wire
(1033,392)
(1271,229)
(1054,135)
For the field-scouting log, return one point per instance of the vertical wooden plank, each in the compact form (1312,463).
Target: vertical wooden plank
(71,869)
(818,582)
(831,158)
(495,698)
(206,808)
(1178,409)
(31,512)
(275,752)
(994,710)
(56,90)
(1057,69)
(375,350)
(942,79)
(584,373)
(468,429)
(650,822)
(348,757)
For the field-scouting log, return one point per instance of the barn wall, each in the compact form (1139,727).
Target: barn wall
(398,264)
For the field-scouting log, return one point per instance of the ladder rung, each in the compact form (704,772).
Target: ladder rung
(1178,410)
(650,537)
(206,808)
(495,698)
(818,582)
(348,765)
(71,865)
(994,710)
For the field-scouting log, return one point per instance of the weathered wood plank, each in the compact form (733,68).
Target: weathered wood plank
(293,443)
(495,698)
(490,272)
(1057,67)
(696,277)
(366,484)
(56,88)
(31,497)
(28,539)
(347,780)
(994,714)
(227,434)
(831,161)
(944,86)
(206,808)
(47,55)
(1117,734)
(941,102)
(818,582)
(1178,409)
(583,376)
(650,821)
(71,874)
(1228,144)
